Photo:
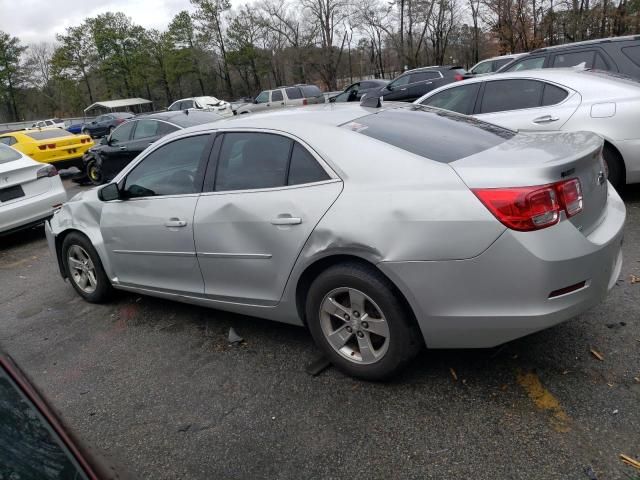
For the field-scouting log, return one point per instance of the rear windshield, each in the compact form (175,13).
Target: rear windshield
(311,91)
(46,134)
(8,154)
(431,133)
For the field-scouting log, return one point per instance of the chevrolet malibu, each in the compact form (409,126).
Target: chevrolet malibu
(379,229)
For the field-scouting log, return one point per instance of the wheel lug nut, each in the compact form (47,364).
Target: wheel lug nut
(365,325)
(346,316)
(360,334)
(349,329)
(356,314)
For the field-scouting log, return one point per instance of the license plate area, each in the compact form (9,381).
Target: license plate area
(11,193)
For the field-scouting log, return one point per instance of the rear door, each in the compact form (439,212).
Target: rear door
(526,104)
(423,82)
(267,196)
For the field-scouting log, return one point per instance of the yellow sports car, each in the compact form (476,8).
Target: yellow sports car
(50,145)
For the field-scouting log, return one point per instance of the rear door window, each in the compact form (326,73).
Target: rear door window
(145,129)
(457,99)
(527,64)
(503,95)
(553,95)
(304,168)
(423,76)
(310,91)
(276,96)
(293,93)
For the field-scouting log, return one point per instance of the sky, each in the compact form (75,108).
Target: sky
(35,21)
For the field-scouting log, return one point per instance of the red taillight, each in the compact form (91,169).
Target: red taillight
(47,171)
(305,102)
(42,147)
(51,145)
(532,208)
(457,77)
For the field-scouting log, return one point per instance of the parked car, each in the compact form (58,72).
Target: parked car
(558,99)
(294,96)
(355,91)
(295,217)
(209,104)
(415,83)
(127,141)
(52,122)
(105,124)
(491,65)
(617,54)
(50,145)
(34,442)
(29,191)
(75,128)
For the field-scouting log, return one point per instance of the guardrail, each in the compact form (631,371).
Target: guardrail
(22,125)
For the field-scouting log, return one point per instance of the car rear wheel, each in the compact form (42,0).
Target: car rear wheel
(615,166)
(94,173)
(359,321)
(84,269)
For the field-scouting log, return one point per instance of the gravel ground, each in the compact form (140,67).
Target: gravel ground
(155,385)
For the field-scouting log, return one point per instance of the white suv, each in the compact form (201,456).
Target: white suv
(208,104)
(283,97)
(52,122)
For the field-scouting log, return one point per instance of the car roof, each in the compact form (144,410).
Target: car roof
(432,68)
(510,55)
(585,42)
(581,80)
(183,119)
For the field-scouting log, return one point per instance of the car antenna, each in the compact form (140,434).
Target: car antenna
(186,111)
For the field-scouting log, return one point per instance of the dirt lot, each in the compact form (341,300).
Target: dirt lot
(155,385)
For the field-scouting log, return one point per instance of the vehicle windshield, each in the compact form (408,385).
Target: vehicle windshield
(46,134)
(8,154)
(431,133)
(208,101)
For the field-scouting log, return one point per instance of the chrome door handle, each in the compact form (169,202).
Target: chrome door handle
(123,148)
(402,89)
(175,222)
(286,221)
(545,119)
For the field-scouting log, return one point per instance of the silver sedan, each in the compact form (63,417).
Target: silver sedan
(380,230)
(562,99)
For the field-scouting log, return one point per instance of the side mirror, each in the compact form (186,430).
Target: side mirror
(255,101)
(105,141)
(389,87)
(109,192)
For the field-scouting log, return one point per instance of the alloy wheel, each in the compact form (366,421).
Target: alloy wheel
(81,269)
(354,325)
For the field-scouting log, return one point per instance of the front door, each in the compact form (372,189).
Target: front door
(527,104)
(149,234)
(115,155)
(268,195)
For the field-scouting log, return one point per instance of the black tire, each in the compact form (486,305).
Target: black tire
(103,289)
(404,340)
(94,172)
(615,165)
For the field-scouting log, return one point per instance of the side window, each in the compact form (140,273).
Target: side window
(457,99)
(528,64)
(501,62)
(170,170)
(252,160)
(553,95)
(633,54)
(483,67)
(145,129)
(293,93)
(573,59)
(403,80)
(8,140)
(122,133)
(423,76)
(263,97)
(276,96)
(503,95)
(187,104)
(174,107)
(304,168)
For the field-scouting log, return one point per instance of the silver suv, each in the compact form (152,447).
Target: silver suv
(283,97)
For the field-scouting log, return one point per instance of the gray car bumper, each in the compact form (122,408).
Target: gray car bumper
(503,293)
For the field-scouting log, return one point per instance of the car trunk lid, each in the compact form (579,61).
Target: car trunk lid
(541,159)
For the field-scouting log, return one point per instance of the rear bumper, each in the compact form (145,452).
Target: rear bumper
(32,210)
(503,293)
(630,151)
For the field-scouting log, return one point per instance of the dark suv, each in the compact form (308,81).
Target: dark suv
(412,84)
(617,54)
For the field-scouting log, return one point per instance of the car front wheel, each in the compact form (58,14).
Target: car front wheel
(84,269)
(94,172)
(359,321)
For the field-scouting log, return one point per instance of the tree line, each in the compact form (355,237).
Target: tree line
(227,52)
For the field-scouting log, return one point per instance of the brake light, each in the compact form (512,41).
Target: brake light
(51,145)
(47,171)
(305,102)
(42,147)
(457,77)
(532,208)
